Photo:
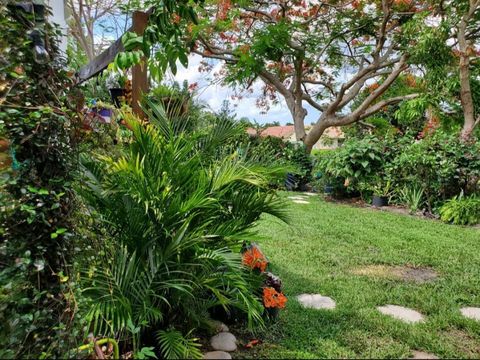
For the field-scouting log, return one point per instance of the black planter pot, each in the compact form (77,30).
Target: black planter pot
(291,182)
(328,189)
(116,94)
(379,201)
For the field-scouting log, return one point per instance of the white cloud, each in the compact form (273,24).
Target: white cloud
(214,94)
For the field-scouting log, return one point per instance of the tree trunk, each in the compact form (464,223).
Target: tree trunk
(315,133)
(465,88)
(298,115)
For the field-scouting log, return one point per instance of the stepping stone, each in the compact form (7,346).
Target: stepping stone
(316,301)
(309,194)
(471,313)
(297,198)
(401,313)
(300,202)
(224,341)
(217,355)
(423,355)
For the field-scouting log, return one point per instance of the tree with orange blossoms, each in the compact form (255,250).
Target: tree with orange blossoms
(317,53)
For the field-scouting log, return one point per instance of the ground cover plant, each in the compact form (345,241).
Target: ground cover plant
(345,253)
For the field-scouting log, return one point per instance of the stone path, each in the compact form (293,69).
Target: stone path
(224,341)
(301,202)
(471,313)
(297,198)
(401,313)
(221,343)
(316,301)
(423,355)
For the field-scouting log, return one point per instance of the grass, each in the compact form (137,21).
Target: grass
(326,242)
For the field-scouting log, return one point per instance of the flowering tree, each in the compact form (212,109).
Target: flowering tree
(319,53)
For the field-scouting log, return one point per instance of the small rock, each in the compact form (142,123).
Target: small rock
(316,301)
(219,327)
(423,355)
(300,202)
(471,313)
(224,341)
(217,355)
(401,313)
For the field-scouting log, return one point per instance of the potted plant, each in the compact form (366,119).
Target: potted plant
(175,100)
(381,192)
(103,109)
(116,85)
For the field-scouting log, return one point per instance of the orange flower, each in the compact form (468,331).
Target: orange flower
(273,299)
(254,259)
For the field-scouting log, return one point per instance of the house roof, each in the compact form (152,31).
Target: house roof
(285,132)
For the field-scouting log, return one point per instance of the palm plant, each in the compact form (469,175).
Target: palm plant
(178,214)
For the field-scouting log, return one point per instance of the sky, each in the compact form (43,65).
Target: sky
(213,95)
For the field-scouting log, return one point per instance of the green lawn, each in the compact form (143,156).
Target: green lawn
(319,250)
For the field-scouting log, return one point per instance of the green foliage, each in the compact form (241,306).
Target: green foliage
(413,197)
(441,165)
(461,210)
(175,346)
(359,161)
(432,169)
(37,228)
(180,211)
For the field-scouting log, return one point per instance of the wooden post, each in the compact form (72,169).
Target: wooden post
(139,72)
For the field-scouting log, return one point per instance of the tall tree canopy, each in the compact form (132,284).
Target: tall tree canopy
(321,53)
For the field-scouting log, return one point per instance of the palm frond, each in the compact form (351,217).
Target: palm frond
(173,345)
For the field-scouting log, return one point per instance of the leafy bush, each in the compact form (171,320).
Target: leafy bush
(461,211)
(440,164)
(180,215)
(357,164)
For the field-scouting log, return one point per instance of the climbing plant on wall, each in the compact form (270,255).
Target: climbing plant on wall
(36,127)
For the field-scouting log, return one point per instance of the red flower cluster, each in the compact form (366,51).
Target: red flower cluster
(254,259)
(273,299)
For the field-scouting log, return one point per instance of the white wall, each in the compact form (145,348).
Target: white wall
(58,10)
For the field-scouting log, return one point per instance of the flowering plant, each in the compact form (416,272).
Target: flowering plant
(273,299)
(254,259)
(272,296)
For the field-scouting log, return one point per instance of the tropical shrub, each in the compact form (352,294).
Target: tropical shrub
(430,170)
(179,215)
(441,164)
(461,210)
(357,163)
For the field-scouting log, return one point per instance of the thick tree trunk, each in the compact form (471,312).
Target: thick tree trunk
(465,88)
(315,133)
(298,116)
